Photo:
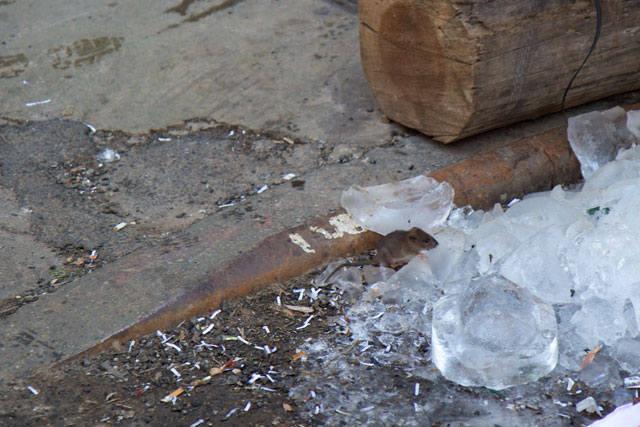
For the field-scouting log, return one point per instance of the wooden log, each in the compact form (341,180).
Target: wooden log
(451,68)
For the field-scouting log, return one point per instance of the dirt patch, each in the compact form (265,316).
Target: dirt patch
(127,385)
(89,198)
(82,183)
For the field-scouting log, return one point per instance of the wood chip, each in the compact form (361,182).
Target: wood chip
(300,308)
(217,371)
(298,355)
(590,356)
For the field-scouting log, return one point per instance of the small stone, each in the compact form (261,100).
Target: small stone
(67,111)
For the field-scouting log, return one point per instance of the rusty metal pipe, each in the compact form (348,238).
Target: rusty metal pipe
(276,259)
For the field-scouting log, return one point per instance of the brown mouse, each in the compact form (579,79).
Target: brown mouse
(395,249)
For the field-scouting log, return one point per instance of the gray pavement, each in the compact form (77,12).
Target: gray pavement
(277,65)
(283,81)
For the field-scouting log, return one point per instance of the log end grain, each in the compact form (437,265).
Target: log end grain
(404,57)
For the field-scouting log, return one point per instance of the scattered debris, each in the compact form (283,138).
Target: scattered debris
(590,405)
(233,411)
(173,346)
(299,355)
(109,155)
(171,396)
(31,104)
(120,226)
(590,356)
(300,308)
(306,322)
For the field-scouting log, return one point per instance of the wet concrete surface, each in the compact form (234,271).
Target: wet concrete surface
(288,79)
(143,66)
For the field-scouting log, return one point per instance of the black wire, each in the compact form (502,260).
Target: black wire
(593,46)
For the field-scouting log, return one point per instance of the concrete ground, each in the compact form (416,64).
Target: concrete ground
(205,102)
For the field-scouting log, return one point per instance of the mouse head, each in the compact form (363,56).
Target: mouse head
(421,239)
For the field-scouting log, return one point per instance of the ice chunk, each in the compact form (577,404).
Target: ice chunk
(596,188)
(571,346)
(606,261)
(630,317)
(324,278)
(547,228)
(600,320)
(445,259)
(465,219)
(495,334)
(596,137)
(492,241)
(373,274)
(416,202)
(626,352)
(415,275)
(542,211)
(414,278)
(600,374)
(540,266)
(632,154)
(633,123)
(345,275)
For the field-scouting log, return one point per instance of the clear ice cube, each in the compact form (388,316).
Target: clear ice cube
(465,219)
(492,241)
(626,351)
(600,374)
(600,320)
(495,334)
(539,265)
(596,137)
(416,202)
(445,259)
(542,211)
(633,123)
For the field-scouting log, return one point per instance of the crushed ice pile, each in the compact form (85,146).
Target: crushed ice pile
(510,294)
